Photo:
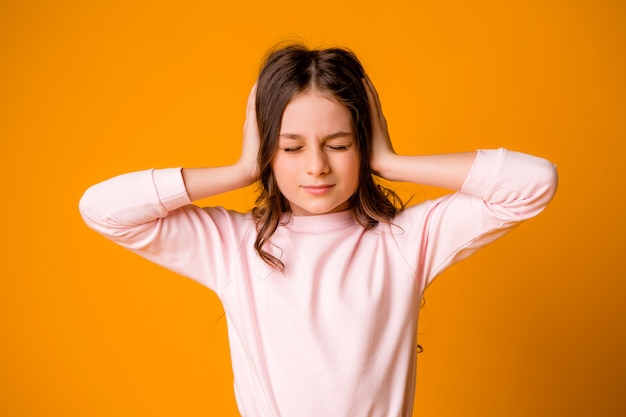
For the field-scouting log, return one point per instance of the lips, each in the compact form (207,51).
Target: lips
(318,189)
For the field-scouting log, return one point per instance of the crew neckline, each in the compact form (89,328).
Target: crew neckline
(320,222)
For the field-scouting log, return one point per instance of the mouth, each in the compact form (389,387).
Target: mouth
(317,189)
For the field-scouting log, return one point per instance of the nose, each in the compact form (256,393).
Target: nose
(317,162)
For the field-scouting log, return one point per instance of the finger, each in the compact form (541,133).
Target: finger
(372,95)
(368,89)
(250,108)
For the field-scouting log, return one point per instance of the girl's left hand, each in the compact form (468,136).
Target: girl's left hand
(382,149)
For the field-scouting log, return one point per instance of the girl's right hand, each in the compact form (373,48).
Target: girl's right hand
(251,140)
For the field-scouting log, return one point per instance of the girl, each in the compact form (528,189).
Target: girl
(321,283)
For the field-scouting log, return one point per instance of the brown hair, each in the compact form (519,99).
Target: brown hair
(291,70)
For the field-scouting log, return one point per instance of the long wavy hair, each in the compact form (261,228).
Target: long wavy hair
(291,70)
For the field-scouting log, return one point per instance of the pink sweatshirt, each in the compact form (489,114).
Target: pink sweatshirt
(335,334)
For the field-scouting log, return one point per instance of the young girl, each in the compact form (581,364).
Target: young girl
(321,283)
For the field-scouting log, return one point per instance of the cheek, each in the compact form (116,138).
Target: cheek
(352,170)
(281,170)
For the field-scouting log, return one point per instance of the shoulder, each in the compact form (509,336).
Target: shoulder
(222,212)
(407,221)
(217,216)
(419,211)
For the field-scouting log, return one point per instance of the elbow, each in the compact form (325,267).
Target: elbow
(547,181)
(550,181)
(92,210)
(524,186)
(90,207)
(537,182)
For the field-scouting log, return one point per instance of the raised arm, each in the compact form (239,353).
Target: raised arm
(498,190)
(150,213)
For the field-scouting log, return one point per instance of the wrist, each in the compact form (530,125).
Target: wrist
(382,166)
(247,173)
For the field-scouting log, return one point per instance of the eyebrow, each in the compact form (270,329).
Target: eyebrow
(327,137)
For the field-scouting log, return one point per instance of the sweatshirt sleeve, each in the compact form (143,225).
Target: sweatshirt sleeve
(502,189)
(149,212)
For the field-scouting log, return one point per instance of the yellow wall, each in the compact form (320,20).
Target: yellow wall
(533,325)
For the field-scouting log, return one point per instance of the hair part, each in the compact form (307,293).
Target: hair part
(291,70)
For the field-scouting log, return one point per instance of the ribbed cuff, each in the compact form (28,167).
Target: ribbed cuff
(170,187)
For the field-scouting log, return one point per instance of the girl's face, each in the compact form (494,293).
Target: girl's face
(316,165)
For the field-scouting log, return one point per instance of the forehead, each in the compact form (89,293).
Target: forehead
(315,111)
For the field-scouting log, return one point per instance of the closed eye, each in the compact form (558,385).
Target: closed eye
(292,150)
(339,147)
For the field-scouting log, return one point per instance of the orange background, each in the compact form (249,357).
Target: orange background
(533,325)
